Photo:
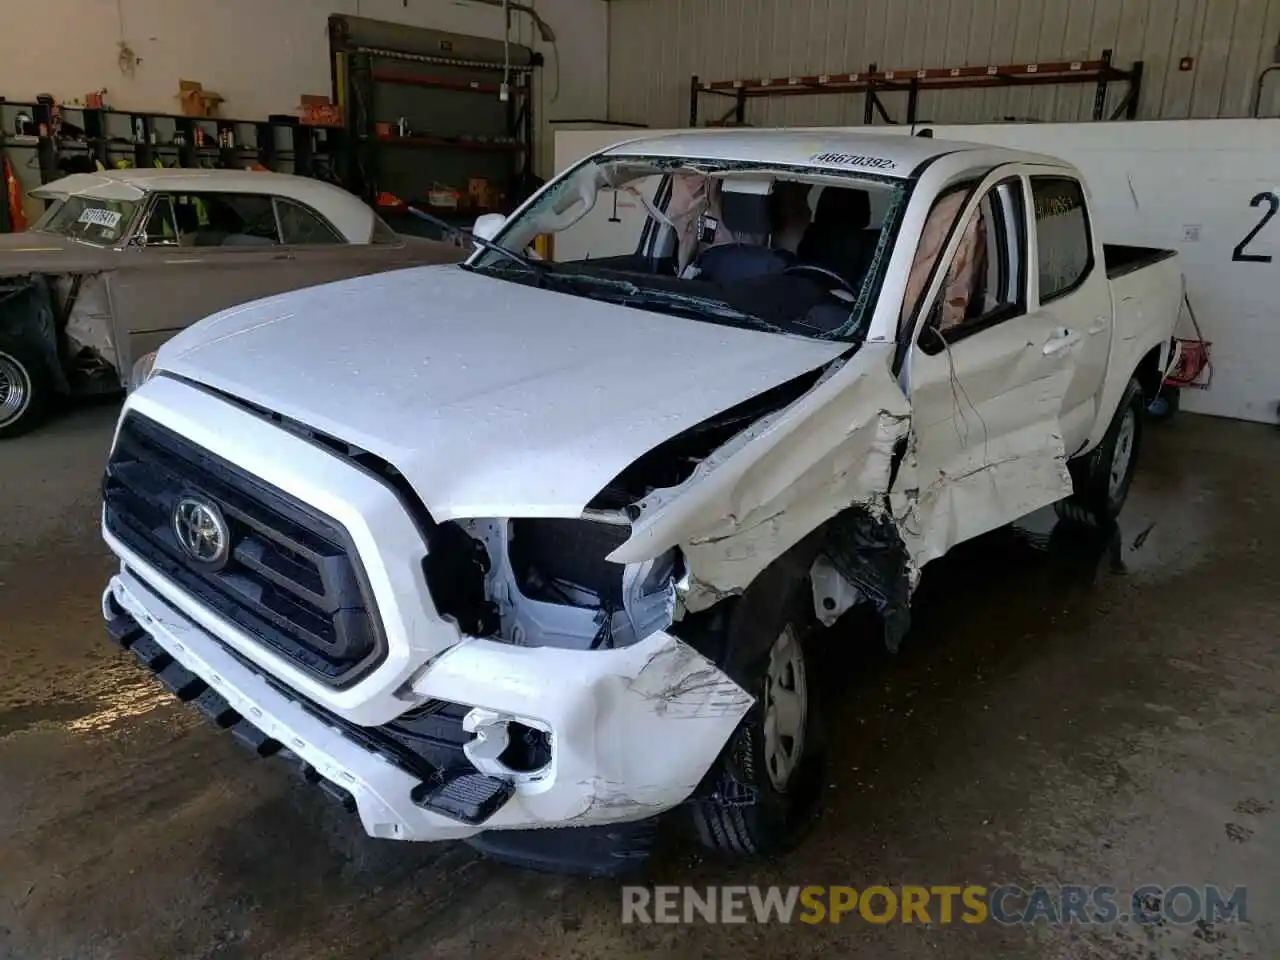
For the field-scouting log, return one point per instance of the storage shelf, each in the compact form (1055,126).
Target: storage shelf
(873,82)
(444,83)
(445,143)
(405,57)
(306,153)
(430,78)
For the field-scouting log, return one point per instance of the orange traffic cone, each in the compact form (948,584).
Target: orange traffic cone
(17,215)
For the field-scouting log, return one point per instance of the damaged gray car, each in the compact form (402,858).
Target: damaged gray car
(121,261)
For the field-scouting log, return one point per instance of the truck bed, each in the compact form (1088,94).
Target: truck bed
(1121,259)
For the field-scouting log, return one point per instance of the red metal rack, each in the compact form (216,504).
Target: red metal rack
(873,82)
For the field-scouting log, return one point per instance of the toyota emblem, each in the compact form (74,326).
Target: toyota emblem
(202,531)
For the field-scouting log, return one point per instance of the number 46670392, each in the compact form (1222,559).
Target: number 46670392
(1272,203)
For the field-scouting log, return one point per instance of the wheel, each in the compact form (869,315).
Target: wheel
(1164,405)
(769,779)
(25,389)
(1102,478)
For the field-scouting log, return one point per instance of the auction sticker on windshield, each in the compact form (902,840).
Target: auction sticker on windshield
(108,219)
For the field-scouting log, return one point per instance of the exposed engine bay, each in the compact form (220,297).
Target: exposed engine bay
(547,581)
(550,585)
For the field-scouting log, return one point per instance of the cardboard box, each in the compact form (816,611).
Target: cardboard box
(196,100)
(319,112)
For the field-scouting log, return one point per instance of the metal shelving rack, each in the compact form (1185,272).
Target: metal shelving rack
(142,144)
(874,82)
(368,58)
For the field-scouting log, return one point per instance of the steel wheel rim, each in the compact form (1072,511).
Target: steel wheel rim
(1123,454)
(786,707)
(15,389)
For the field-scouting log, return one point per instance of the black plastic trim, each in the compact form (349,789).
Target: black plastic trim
(456,790)
(297,583)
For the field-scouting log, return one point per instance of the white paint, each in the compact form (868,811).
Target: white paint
(541,398)
(1147,180)
(818,149)
(383,533)
(352,218)
(496,399)
(759,494)
(262,55)
(633,729)
(1184,185)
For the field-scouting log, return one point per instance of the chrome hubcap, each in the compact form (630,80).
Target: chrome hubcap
(786,705)
(15,389)
(1123,454)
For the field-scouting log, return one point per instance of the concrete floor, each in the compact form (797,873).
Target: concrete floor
(1060,714)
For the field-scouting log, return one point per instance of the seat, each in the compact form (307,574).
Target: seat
(748,218)
(838,239)
(188,220)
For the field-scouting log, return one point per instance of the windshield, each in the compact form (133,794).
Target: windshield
(90,219)
(787,250)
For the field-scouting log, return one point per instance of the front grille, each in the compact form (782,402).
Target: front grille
(292,579)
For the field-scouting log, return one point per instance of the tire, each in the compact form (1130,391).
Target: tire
(1164,405)
(25,388)
(768,782)
(1102,478)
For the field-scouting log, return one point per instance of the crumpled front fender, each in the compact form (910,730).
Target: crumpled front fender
(760,493)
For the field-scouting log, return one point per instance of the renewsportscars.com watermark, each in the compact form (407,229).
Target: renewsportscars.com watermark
(1007,904)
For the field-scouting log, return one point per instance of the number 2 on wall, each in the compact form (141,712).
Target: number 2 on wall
(1274,208)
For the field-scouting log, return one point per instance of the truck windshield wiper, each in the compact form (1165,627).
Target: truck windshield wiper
(707,307)
(538,268)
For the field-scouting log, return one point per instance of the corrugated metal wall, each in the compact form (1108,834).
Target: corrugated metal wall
(656,45)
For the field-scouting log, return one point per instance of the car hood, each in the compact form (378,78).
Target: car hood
(491,397)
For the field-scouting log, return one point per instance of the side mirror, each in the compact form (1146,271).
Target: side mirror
(487,226)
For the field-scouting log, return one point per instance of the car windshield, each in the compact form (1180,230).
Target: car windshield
(789,250)
(90,219)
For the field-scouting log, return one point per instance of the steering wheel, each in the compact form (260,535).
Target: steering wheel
(823,272)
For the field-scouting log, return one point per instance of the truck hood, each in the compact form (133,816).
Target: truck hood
(491,397)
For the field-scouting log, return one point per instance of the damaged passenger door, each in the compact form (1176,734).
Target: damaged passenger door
(986,395)
(1073,293)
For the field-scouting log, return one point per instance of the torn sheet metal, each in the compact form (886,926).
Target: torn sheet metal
(635,728)
(762,492)
(864,559)
(950,489)
(963,474)
(89,324)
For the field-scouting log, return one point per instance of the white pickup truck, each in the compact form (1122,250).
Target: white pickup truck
(552,540)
